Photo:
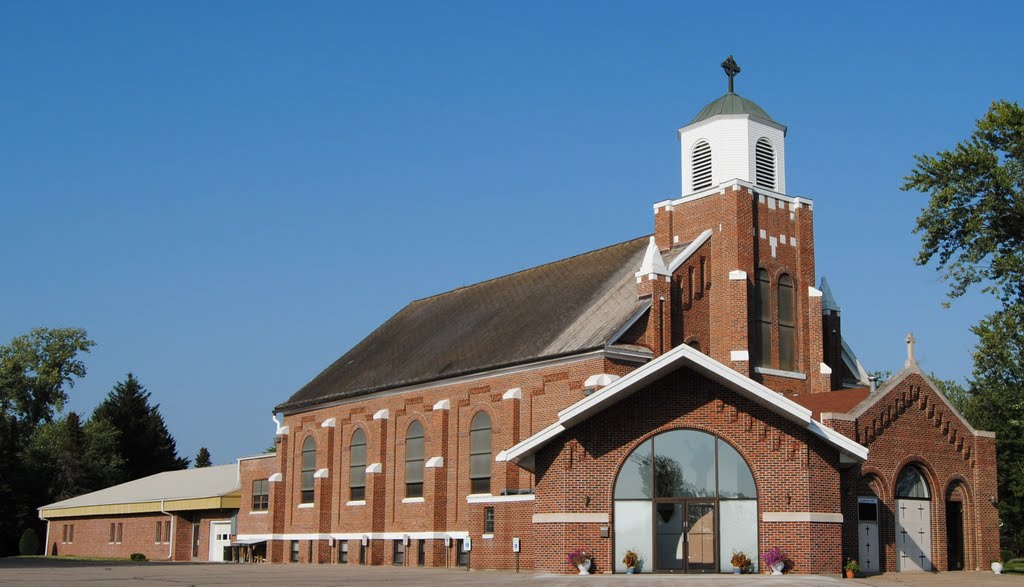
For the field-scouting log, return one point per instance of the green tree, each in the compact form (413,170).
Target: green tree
(202,458)
(65,458)
(973,228)
(145,443)
(36,371)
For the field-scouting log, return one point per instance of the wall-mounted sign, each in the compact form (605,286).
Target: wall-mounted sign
(515,545)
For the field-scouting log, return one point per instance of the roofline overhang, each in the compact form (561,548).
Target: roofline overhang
(681,356)
(740,116)
(230,501)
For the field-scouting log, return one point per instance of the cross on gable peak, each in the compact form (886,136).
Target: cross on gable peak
(910,340)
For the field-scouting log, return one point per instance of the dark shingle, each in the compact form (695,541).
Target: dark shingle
(561,308)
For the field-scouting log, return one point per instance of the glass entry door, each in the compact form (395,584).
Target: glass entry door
(684,537)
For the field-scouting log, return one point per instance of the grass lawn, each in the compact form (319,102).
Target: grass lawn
(1014,566)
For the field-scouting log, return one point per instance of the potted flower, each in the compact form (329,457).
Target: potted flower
(775,560)
(852,568)
(740,562)
(997,565)
(631,560)
(581,559)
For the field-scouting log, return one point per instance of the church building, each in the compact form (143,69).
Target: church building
(685,395)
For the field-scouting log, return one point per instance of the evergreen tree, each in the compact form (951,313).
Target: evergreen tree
(145,443)
(202,458)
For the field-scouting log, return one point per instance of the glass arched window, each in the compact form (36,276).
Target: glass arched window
(701,166)
(414,460)
(357,467)
(308,469)
(911,484)
(480,453)
(787,324)
(764,163)
(692,469)
(763,319)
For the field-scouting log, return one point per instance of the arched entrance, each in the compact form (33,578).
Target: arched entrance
(956,499)
(913,521)
(684,501)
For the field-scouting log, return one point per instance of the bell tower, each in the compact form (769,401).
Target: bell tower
(732,138)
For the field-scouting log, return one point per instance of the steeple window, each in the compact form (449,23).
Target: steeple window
(764,160)
(701,166)
(787,324)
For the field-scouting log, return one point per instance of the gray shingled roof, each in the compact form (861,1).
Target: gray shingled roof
(562,308)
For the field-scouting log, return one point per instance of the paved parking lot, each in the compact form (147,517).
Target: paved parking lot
(56,572)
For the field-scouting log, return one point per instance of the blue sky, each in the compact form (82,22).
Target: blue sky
(229,195)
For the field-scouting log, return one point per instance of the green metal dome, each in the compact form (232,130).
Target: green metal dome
(731,104)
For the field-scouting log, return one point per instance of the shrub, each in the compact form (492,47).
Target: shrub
(852,565)
(740,560)
(137,556)
(29,543)
(631,559)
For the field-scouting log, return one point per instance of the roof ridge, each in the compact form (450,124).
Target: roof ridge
(507,275)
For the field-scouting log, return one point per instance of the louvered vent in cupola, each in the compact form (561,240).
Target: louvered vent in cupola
(765,164)
(701,166)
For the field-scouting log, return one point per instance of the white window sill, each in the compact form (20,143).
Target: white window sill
(358,502)
(303,506)
(260,513)
(488,498)
(487,536)
(413,500)
(779,373)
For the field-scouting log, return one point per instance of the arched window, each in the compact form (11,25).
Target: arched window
(308,469)
(701,166)
(685,482)
(764,162)
(911,484)
(787,324)
(762,320)
(480,453)
(414,460)
(357,467)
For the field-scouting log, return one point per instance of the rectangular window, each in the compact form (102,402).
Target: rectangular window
(868,511)
(167,532)
(159,531)
(343,553)
(195,537)
(703,280)
(64,536)
(398,557)
(260,495)
(113,532)
(421,552)
(120,532)
(295,552)
(489,520)
(71,533)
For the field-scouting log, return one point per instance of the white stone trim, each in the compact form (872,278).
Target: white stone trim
(487,537)
(413,500)
(488,498)
(737,275)
(820,517)
(259,513)
(514,393)
(456,534)
(329,423)
(780,373)
(382,414)
(813,292)
(599,380)
(356,502)
(825,369)
(254,457)
(570,518)
(305,506)
(689,250)
(374,468)
(321,474)
(275,478)
(739,355)
(434,463)
(445,404)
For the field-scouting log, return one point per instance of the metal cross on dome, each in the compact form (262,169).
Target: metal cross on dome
(731,70)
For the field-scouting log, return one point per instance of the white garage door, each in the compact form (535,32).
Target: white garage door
(220,536)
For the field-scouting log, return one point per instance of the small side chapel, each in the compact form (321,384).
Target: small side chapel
(682,395)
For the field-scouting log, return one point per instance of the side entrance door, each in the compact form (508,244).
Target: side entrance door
(955,535)
(220,537)
(867,531)
(684,536)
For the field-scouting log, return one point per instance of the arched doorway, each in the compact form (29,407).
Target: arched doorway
(684,501)
(956,500)
(913,521)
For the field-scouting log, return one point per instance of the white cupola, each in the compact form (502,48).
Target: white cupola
(732,138)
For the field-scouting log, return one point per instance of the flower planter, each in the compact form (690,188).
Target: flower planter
(630,570)
(851,574)
(584,568)
(737,571)
(777,567)
(997,568)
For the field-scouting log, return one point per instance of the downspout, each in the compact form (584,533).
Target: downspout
(46,546)
(170,544)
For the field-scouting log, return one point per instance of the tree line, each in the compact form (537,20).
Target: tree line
(47,455)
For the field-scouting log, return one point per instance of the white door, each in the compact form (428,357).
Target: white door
(913,534)
(220,536)
(867,531)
